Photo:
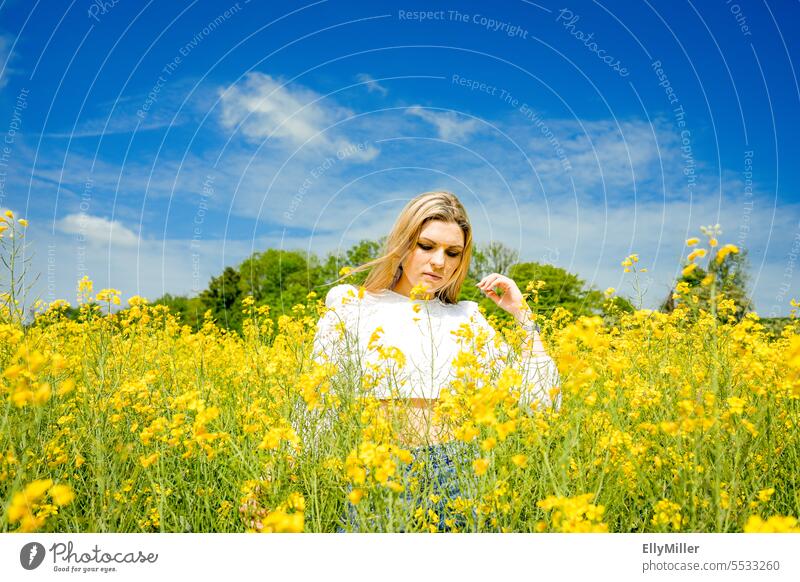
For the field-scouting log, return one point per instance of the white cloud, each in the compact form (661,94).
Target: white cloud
(449,125)
(262,108)
(98,230)
(372,85)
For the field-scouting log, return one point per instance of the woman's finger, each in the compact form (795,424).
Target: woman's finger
(493,296)
(489,280)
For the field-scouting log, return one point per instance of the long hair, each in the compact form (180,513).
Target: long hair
(438,205)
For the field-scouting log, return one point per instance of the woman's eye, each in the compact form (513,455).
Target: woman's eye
(424,247)
(454,254)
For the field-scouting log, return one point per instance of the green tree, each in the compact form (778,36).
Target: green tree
(732,278)
(189,309)
(494,257)
(362,252)
(562,289)
(278,278)
(223,298)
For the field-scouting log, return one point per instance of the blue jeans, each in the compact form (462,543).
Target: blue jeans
(435,476)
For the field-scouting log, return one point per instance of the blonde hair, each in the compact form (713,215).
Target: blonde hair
(437,205)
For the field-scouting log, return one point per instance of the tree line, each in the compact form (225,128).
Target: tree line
(284,278)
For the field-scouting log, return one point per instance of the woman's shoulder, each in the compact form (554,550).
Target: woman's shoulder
(339,294)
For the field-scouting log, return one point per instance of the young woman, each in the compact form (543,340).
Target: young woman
(404,323)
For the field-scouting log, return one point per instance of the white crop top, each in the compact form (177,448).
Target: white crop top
(425,337)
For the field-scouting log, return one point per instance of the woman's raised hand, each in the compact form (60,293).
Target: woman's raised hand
(511,299)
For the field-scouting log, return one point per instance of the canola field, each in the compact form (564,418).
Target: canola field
(131,422)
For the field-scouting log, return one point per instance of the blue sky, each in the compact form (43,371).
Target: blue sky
(150,145)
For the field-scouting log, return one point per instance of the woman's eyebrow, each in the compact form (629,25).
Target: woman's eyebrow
(434,242)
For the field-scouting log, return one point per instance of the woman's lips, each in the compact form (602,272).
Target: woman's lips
(432,276)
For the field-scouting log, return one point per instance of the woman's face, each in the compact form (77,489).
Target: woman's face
(434,258)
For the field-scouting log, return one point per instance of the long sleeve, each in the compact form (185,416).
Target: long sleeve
(330,338)
(539,371)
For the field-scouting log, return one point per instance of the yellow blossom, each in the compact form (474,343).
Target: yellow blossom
(520,460)
(480,466)
(774,524)
(766,494)
(725,251)
(148,460)
(355,496)
(697,253)
(61,494)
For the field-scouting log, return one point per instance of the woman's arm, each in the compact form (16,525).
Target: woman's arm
(540,373)
(533,345)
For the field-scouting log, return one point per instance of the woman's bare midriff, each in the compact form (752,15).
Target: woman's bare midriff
(418,427)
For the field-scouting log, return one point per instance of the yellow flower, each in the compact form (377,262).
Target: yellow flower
(467,432)
(692,241)
(774,524)
(109,296)
(573,514)
(489,443)
(61,494)
(344,271)
(688,269)
(696,253)
(480,466)
(137,301)
(725,251)
(9,214)
(395,487)
(375,337)
(505,428)
(736,404)
(712,242)
(419,291)
(520,460)
(23,222)
(670,428)
(668,513)
(610,291)
(23,504)
(148,460)
(355,496)
(766,494)
(37,488)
